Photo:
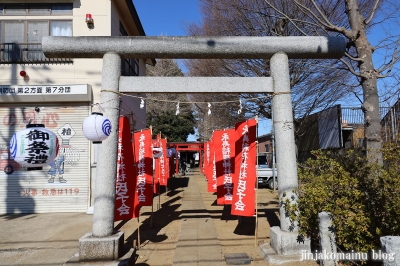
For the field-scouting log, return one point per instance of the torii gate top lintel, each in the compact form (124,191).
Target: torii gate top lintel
(229,47)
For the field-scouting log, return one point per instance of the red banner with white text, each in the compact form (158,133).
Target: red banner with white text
(224,146)
(143,169)
(163,163)
(243,202)
(207,158)
(156,162)
(126,180)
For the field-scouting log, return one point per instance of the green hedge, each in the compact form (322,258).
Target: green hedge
(363,198)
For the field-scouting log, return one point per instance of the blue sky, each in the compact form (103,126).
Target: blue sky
(167,17)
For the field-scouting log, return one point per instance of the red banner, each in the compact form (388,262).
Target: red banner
(207,158)
(212,175)
(243,202)
(144,169)
(126,180)
(167,169)
(156,164)
(163,163)
(224,146)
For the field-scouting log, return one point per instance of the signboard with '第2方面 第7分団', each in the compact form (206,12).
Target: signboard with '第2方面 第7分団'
(45,93)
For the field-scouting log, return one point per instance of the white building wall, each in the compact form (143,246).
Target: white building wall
(106,15)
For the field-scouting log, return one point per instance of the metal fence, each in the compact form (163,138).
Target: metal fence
(390,120)
(27,53)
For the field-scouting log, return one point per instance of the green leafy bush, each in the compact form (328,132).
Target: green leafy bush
(363,198)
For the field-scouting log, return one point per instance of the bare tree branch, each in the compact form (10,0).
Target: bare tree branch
(286,17)
(371,16)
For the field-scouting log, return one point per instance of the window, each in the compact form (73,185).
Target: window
(36,9)
(32,31)
(130,67)
(36,31)
(21,40)
(13,33)
(15,9)
(39,10)
(60,28)
(122,31)
(61,9)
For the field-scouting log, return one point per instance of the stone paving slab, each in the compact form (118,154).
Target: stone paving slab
(198,226)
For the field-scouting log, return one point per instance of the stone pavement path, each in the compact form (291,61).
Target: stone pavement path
(197,243)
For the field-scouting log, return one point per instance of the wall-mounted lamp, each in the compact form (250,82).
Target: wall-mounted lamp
(23,74)
(89,19)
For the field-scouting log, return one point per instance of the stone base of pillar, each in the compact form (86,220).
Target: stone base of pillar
(288,243)
(390,253)
(107,248)
(275,259)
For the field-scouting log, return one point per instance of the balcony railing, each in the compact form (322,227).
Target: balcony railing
(27,53)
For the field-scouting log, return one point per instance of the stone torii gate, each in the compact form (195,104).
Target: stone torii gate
(102,243)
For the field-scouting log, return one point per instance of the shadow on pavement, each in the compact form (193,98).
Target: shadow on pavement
(271,216)
(226,214)
(151,226)
(246,226)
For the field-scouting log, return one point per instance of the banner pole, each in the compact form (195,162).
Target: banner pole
(138,246)
(167,159)
(256,192)
(159,173)
(256,227)
(152,185)
(152,201)
(152,206)
(159,187)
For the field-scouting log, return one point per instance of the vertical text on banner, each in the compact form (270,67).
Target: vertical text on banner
(245,167)
(126,180)
(212,175)
(207,159)
(156,166)
(163,162)
(144,169)
(224,145)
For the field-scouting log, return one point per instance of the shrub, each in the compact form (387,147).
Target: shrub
(363,198)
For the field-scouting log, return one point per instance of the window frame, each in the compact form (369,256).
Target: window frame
(129,66)
(28,6)
(2,28)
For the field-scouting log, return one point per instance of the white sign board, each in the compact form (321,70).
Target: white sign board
(46,93)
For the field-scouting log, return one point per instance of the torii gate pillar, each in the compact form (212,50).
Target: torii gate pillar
(284,240)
